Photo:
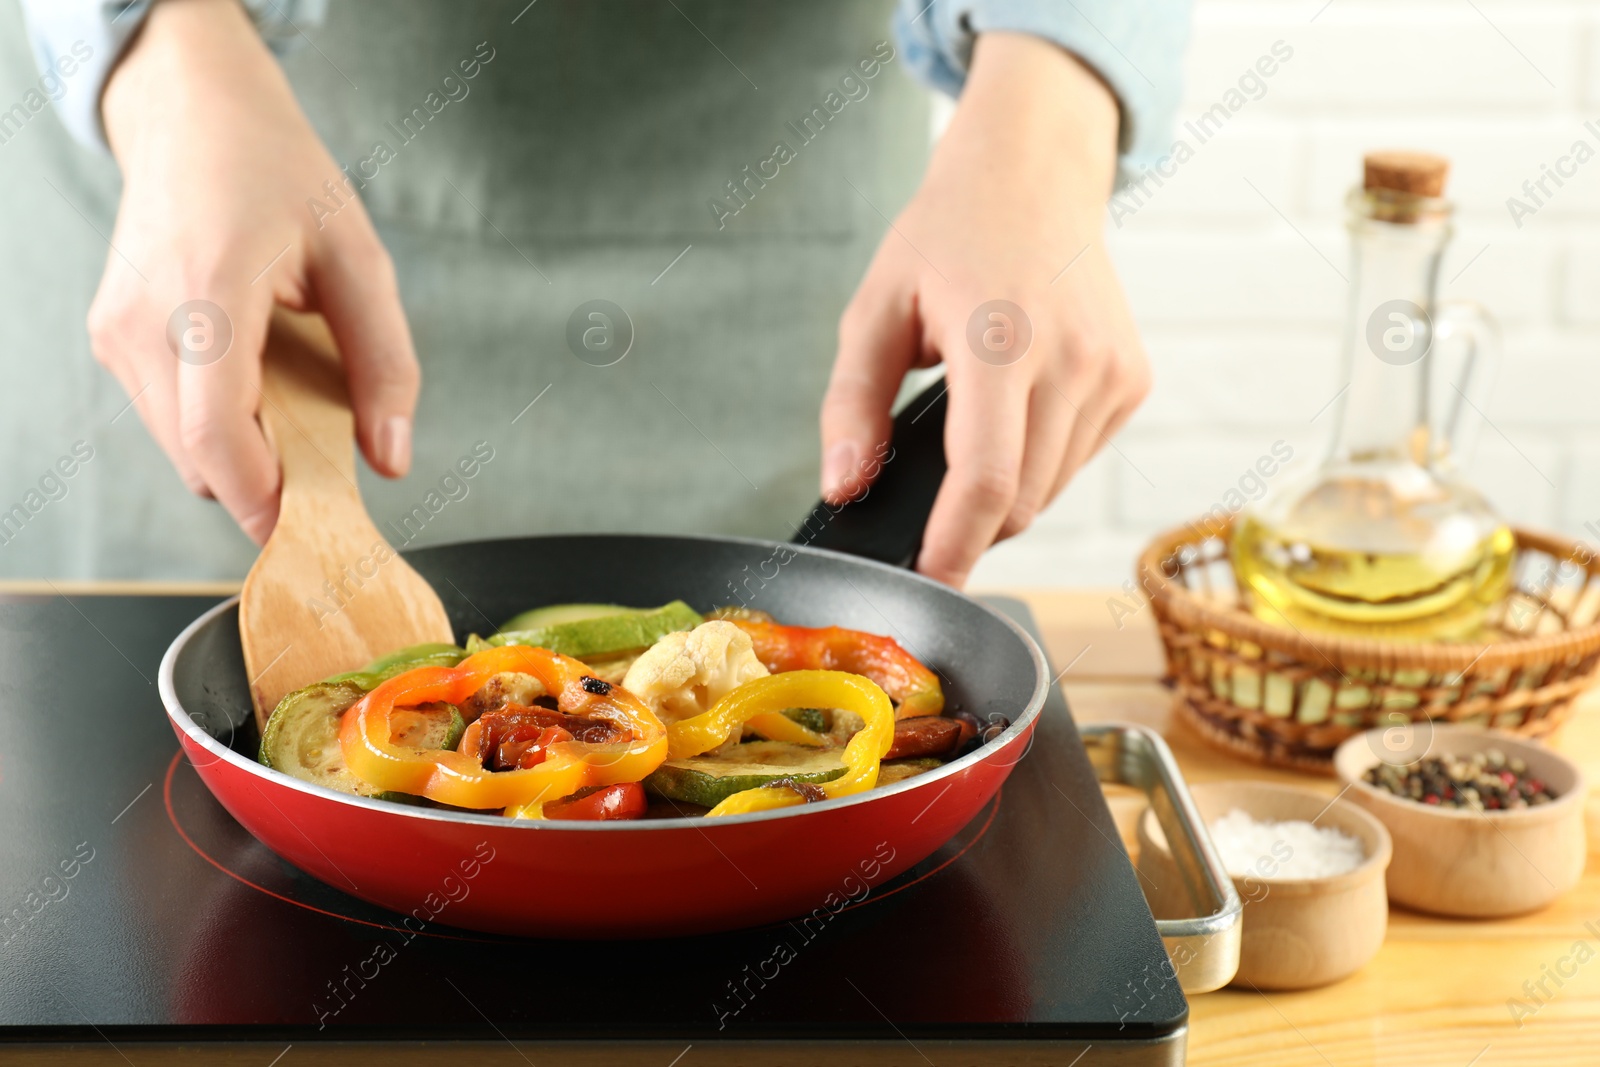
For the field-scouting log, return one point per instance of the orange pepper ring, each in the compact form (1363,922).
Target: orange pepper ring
(906,679)
(457,778)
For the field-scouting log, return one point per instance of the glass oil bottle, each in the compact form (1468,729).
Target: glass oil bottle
(1384,540)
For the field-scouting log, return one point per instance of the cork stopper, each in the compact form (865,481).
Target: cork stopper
(1416,173)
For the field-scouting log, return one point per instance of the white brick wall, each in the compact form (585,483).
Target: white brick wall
(1242,319)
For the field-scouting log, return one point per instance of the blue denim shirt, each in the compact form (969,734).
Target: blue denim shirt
(104,28)
(1135,46)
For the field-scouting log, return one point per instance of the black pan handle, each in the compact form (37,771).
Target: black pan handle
(887,523)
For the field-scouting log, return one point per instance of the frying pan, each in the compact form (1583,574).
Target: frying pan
(655,877)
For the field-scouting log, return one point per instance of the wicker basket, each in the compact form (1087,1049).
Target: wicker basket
(1287,697)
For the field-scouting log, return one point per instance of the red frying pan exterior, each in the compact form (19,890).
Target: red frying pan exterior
(608,881)
(647,878)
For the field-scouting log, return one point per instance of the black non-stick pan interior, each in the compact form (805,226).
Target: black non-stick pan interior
(984,663)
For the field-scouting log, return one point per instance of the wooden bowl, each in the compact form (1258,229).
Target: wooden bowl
(1453,861)
(1298,932)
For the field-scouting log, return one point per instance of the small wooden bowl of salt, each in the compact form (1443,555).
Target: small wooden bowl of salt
(1309,868)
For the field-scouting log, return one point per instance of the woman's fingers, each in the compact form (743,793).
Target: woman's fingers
(878,337)
(1051,424)
(1091,432)
(1106,409)
(128,341)
(218,397)
(357,293)
(985,432)
(156,400)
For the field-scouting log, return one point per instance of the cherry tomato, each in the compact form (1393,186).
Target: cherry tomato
(625,800)
(525,751)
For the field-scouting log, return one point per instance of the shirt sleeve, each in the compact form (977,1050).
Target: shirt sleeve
(1135,46)
(76,43)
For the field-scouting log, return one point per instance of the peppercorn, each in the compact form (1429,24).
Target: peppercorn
(1484,781)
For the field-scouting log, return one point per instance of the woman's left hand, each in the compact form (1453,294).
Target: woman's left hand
(997,268)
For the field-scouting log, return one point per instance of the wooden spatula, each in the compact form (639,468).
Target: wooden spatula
(328,593)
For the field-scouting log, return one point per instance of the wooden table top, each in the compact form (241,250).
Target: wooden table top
(1440,991)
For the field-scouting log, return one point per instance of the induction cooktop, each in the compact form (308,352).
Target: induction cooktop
(140,923)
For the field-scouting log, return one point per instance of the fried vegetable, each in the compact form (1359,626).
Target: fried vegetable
(817,720)
(553,614)
(517,736)
(912,686)
(508,687)
(774,694)
(801,726)
(683,674)
(459,778)
(597,636)
(302,737)
(711,778)
(625,800)
(892,771)
(406,659)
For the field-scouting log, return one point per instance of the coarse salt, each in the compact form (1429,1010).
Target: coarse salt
(1294,849)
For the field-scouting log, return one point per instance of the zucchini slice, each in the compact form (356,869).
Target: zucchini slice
(898,770)
(553,614)
(302,737)
(817,720)
(385,667)
(709,779)
(600,635)
(437,725)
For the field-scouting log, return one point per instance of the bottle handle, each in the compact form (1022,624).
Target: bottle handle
(1463,364)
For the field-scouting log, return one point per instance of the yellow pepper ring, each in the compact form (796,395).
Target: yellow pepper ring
(794,689)
(533,809)
(775,726)
(458,778)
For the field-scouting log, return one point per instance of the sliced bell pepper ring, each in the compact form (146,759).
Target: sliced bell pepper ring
(533,809)
(776,726)
(794,689)
(833,648)
(459,778)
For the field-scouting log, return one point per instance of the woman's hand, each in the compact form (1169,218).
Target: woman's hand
(219,165)
(1011,210)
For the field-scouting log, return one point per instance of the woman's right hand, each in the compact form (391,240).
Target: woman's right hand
(220,168)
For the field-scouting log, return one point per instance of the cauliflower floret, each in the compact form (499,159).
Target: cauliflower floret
(687,671)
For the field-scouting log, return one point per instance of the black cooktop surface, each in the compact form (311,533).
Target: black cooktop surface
(137,910)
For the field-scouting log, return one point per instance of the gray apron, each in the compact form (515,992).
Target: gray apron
(715,171)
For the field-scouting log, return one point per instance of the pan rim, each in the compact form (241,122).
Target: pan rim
(1024,722)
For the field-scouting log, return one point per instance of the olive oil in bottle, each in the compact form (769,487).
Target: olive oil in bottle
(1384,540)
(1398,569)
